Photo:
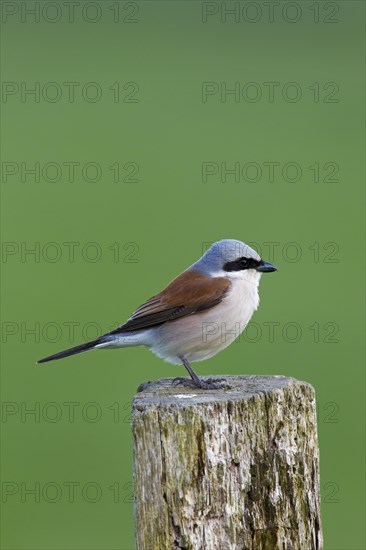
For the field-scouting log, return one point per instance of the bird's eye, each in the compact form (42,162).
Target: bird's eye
(243,262)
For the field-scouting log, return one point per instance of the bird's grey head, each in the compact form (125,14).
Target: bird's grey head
(232,259)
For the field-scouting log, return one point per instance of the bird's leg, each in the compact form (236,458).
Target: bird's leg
(191,372)
(196,382)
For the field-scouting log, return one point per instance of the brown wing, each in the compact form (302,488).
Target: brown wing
(188,293)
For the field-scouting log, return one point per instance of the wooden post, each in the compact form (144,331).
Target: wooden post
(231,469)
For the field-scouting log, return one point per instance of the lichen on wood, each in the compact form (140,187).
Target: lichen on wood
(228,469)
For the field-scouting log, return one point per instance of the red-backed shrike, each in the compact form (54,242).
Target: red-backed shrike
(198,314)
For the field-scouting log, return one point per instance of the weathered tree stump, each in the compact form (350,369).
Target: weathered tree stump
(233,469)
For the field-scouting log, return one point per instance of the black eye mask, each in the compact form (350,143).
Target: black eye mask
(242,263)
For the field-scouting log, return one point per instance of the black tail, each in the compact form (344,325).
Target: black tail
(71,351)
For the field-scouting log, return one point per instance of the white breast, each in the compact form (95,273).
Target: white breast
(239,305)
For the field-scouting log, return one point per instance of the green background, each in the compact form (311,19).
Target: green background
(169,214)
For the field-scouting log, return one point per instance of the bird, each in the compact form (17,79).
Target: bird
(198,314)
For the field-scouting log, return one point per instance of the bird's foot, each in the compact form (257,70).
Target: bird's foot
(185,382)
(209,384)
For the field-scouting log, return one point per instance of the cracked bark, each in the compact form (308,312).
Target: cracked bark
(233,469)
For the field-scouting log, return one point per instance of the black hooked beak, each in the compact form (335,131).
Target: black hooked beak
(266,267)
